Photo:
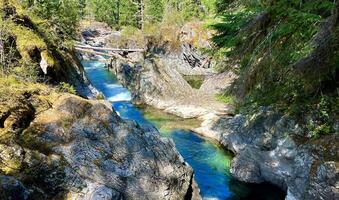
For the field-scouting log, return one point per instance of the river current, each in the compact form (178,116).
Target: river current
(211,164)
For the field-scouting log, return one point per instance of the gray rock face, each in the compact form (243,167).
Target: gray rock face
(266,152)
(73,72)
(325,184)
(81,149)
(157,83)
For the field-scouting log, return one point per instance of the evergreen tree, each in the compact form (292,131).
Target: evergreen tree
(187,8)
(284,53)
(115,13)
(154,10)
(62,15)
(138,12)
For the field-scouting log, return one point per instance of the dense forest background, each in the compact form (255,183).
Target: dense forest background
(118,13)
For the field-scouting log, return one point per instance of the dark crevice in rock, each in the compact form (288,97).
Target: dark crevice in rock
(3,118)
(262,188)
(24,118)
(35,55)
(193,191)
(24,21)
(20,115)
(189,193)
(8,49)
(12,188)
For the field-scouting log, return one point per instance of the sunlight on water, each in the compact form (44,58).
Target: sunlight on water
(120,97)
(211,163)
(106,83)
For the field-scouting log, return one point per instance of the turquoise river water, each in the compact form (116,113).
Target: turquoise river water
(210,163)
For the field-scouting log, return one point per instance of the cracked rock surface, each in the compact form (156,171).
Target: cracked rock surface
(81,149)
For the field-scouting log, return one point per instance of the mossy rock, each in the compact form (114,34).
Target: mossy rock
(11,158)
(6,135)
(27,41)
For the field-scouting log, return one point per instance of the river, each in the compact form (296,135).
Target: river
(211,164)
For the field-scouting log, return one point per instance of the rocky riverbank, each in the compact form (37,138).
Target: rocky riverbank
(267,149)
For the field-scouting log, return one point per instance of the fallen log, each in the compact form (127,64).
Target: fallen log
(109,49)
(111,55)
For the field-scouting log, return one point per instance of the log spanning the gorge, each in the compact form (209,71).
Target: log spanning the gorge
(95,52)
(112,56)
(108,49)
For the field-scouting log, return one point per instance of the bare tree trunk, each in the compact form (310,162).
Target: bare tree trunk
(140,15)
(118,13)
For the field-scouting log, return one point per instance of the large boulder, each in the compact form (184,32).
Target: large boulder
(81,149)
(158,83)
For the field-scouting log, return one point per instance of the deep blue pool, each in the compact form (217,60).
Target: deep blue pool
(209,162)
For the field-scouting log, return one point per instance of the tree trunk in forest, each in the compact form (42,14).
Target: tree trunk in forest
(118,14)
(141,5)
(142,11)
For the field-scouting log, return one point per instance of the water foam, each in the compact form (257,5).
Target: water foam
(125,96)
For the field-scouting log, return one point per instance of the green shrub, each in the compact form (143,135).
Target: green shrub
(227,99)
(66,87)
(26,73)
(318,131)
(194,81)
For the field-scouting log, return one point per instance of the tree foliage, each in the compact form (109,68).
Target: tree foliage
(114,12)
(137,12)
(62,15)
(285,52)
(154,10)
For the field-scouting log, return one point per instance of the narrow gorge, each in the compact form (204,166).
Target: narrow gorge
(210,99)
